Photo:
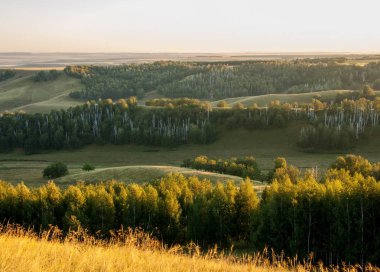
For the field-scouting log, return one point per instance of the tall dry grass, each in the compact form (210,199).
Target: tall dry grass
(23,250)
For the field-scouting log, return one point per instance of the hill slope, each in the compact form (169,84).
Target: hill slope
(263,100)
(22,93)
(143,173)
(29,253)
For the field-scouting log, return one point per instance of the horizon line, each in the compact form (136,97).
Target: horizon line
(213,53)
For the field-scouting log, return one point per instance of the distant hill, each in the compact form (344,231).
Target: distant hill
(22,93)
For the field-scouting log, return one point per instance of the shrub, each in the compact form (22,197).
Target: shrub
(246,167)
(222,104)
(55,170)
(239,106)
(88,167)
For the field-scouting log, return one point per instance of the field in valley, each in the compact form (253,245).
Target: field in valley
(265,145)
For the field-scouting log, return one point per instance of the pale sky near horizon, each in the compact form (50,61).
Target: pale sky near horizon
(189,26)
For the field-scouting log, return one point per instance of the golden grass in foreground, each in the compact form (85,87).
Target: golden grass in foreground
(24,251)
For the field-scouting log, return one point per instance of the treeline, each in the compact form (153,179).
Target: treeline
(221,79)
(123,122)
(357,164)
(175,208)
(245,167)
(178,102)
(7,74)
(335,219)
(42,76)
(104,122)
(340,124)
(319,137)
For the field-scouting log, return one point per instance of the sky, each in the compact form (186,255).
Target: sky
(187,26)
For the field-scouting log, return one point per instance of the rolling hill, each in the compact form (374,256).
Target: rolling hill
(263,100)
(143,173)
(22,93)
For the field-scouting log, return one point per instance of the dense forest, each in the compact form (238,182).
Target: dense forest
(221,80)
(335,218)
(127,80)
(104,122)
(334,126)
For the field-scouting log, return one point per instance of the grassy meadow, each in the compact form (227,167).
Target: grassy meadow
(22,93)
(139,173)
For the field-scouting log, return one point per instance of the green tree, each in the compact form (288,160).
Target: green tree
(368,92)
(88,167)
(55,170)
(73,204)
(222,104)
(246,203)
(48,204)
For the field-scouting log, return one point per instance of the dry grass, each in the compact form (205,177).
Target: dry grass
(127,251)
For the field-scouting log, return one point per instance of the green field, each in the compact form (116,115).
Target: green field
(264,100)
(22,93)
(265,145)
(144,173)
(139,174)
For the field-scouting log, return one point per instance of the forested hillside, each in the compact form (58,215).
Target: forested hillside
(128,80)
(222,79)
(323,126)
(34,92)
